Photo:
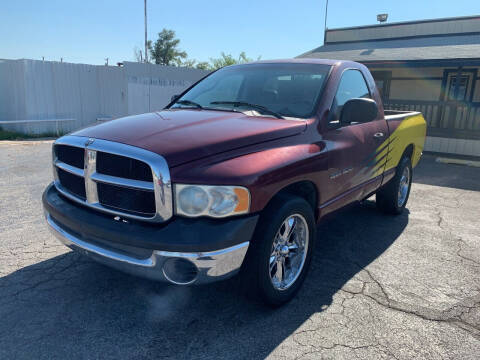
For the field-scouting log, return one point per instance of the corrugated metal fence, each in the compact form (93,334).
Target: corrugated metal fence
(43,96)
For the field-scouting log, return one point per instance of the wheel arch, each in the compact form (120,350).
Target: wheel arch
(305,189)
(409,151)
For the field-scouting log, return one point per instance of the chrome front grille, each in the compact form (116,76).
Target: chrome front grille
(114,178)
(123,167)
(74,184)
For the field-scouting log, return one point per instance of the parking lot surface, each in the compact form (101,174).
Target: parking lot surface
(379,287)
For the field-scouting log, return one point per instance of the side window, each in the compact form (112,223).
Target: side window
(352,85)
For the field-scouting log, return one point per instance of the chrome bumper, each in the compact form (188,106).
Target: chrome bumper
(174,267)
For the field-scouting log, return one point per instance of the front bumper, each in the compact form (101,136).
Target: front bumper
(182,251)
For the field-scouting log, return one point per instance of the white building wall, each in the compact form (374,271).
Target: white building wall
(425,90)
(150,87)
(452,146)
(12,90)
(111,82)
(34,92)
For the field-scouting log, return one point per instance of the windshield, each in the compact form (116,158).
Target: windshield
(279,89)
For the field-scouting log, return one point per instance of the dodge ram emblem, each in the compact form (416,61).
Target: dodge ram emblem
(89,142)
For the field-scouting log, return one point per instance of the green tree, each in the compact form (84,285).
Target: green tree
(204,65)
(228,59)
(190,63)
(165,50)
(216,63)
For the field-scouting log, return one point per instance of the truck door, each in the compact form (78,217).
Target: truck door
(354,169)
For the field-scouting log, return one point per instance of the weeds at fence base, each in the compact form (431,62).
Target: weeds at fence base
(13,135)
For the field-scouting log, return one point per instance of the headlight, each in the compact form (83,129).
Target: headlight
(214,201)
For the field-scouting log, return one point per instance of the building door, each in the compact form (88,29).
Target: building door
(458,88)
(464,91)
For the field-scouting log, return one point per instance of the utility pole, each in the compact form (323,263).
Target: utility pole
(146,50)
(325,26)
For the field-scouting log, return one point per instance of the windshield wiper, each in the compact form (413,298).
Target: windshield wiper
(189,102)
(255,106)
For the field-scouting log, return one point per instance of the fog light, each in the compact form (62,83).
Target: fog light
(180,271)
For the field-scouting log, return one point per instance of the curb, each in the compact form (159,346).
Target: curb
(444,160)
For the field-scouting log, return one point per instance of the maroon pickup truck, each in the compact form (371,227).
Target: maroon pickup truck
(233,174)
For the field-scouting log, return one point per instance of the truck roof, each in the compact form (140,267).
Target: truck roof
(330,62)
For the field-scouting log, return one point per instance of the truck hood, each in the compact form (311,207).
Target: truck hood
(183,135)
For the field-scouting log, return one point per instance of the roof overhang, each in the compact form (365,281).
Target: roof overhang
(422,63)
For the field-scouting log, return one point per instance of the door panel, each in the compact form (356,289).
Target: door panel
(354,170)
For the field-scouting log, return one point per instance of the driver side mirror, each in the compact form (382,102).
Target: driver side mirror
(174,98)
(358,110)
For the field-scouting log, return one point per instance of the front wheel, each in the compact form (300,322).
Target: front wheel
(393,197)
(279,256)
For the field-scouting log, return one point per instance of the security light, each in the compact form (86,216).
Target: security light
(382,17)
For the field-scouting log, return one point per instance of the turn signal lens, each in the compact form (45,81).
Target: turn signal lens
(243,197)
(213,201)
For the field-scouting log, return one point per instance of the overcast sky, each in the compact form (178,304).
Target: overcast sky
(88,31)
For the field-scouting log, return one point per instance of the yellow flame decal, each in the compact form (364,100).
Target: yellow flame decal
(412,130)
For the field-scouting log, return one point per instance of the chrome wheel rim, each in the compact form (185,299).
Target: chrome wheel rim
(403,186)
(289,251)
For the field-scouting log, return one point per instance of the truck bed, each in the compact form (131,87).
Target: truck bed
(395,114)
(405,127)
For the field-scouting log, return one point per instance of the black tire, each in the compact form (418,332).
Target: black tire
(256,271)
(387,198)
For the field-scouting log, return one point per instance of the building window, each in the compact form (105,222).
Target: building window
(383,80)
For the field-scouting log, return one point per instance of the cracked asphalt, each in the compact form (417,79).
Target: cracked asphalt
(380,287)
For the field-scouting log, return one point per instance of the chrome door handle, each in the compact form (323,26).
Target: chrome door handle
(378,135)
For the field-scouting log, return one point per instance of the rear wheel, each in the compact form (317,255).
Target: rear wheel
(279,256)
(393,197)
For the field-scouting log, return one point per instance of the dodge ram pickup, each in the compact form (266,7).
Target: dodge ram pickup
(234,174)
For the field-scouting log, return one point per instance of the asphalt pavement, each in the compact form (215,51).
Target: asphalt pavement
(380,287)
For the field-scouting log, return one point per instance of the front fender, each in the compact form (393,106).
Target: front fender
(263,172)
